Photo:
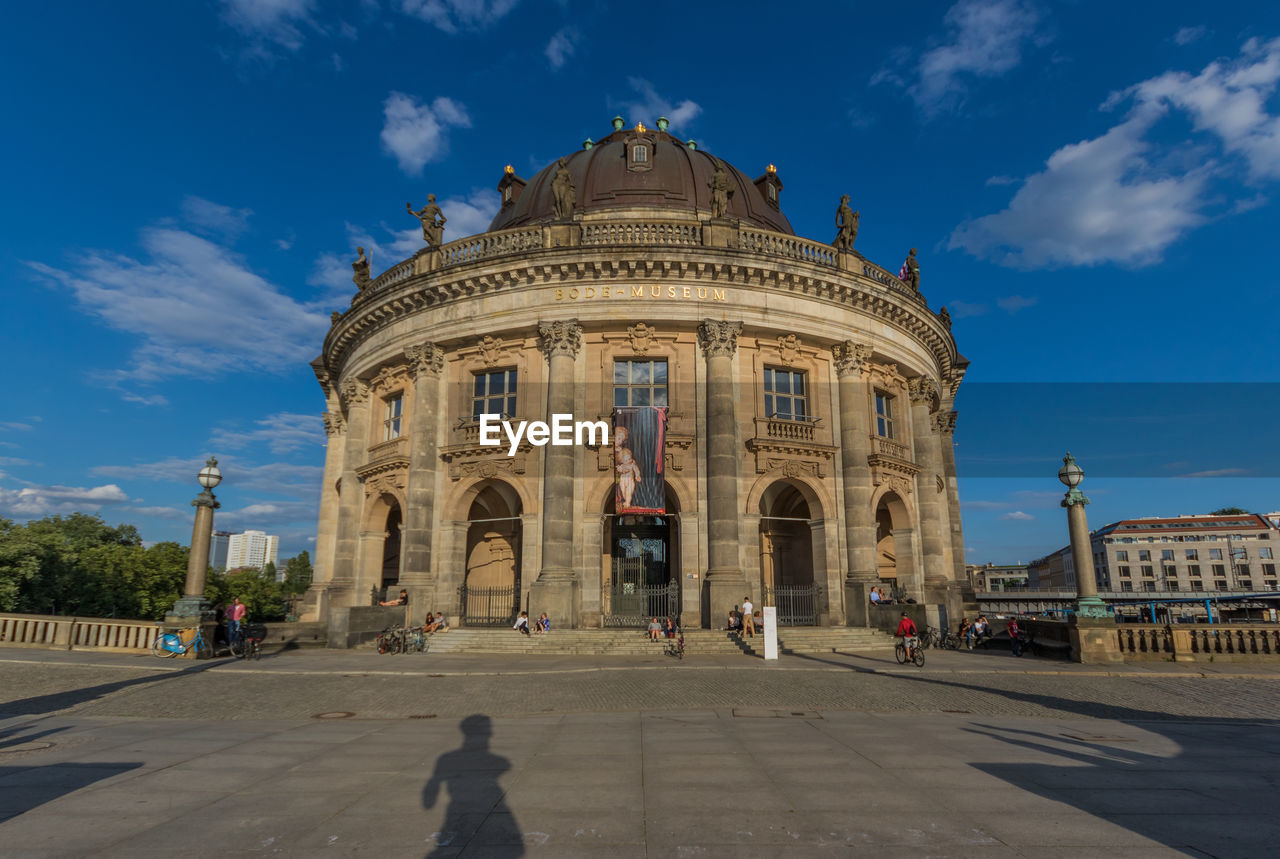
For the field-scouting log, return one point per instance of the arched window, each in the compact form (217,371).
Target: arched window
(640,154)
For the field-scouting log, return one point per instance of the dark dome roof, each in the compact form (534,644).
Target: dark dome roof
(676,177)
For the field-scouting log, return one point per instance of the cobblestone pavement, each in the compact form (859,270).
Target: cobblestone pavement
(306,686)
(118,756)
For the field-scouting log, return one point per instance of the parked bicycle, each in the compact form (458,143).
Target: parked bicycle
(675,647)
(1019,643)
(917,652)
(246,642)
(931,638)
(952,641)
(170,644)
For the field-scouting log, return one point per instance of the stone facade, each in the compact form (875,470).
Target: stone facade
(822,501)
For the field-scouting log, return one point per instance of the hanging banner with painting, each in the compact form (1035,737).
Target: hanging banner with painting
(638,453)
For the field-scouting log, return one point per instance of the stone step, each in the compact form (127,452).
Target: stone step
(633,642)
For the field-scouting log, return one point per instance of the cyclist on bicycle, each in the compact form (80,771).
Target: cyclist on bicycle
(907,632)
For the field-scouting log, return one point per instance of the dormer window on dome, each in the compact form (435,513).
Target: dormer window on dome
(770,187)
(641,148)
(510,186)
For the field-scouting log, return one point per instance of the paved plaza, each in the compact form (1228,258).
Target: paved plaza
(344,753)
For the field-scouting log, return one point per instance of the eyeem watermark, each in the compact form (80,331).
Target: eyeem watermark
(562,432)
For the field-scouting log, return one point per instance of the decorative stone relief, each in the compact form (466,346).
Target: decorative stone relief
(353,392)
(922,389)
(789,348)
(390,483)
(642,337)
(491,350)
(850,356)
(951,422)
(389,379)
(560,338)
(425,359)
(334,424)
(719,338)
(940,422)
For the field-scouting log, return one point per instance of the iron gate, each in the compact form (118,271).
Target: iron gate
(488,606)
(630,602)
(797,604)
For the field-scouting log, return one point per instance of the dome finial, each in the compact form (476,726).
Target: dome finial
(662,123)
(509,170)
(618,122)
(640,126)
(588,143)
(691,143)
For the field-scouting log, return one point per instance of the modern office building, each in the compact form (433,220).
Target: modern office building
(218,544)
(805,449)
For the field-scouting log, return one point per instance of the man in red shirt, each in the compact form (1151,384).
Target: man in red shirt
(907,631)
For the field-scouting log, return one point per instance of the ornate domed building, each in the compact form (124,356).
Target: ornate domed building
(780,410)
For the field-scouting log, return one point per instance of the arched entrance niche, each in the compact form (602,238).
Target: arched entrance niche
(491,585)
(380,544)
(391,548)
(787,552)
(895,559)
(640,569)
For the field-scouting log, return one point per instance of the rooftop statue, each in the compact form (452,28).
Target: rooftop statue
(910,274)
(433,221)
(846,225)
(721,191)
(360,266)
(563,191)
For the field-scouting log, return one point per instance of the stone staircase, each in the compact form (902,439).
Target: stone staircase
(634,642)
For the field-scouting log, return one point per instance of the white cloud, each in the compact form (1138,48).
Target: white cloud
(1014,303)
(561,47)
(278,478)
(337,61)
(453,15)
(1218,472)
(270,515)
(283,433)
(1001,180)
(1017,516)
(35,501)
(269,21)
(961,309)
(15,425)
(13,460)
(985,39)
(468,215)
(172,514)
(1096,201)
(1187,35)
(143,399)
(650,105)
(416,133)
(196,307)
(214,219)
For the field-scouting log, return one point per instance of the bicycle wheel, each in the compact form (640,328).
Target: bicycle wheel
(900,653)
(204,650)
(919,657)
(158,649)
(236,645)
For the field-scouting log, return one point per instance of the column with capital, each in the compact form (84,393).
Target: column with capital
(963,599)
(315,603)
(426,366)
(193,607)
(855,447)
(923,393)
(355,399)
(555,591)
(1092,626)
(725,583)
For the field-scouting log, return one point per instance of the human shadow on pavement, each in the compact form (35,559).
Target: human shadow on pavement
(40,704)
(24,788)
(1203,797)
(477,810)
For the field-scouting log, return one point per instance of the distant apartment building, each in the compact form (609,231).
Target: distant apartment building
(1183,554)
(218,549)
(253,549)
(998,577)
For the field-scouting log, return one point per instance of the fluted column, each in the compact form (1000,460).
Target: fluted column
(855,447)
(355,397)
(426,362)
(924,393)
(726,584)
(555,590)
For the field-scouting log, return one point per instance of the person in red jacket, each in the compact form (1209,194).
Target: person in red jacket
(907,631)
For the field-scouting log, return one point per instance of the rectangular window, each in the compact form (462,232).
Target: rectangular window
(1265,552)
(1166,554)
(1219,569)
(1193,570)
(785,395)
(1122,555)
(1197,586)
(1220,584)
(1148,571)
(1144,555)
(1170,571)
(392,417)
(1126,586)
(1268,569)
(1148,586)
(1124,571)
(1193,554)
(494,394)
(1242,570)
(639,383)
(1173,585)
(1247,584)
(884,415)
(1215,554)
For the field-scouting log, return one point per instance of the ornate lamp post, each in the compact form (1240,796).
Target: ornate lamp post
(1088,603)
(193,604)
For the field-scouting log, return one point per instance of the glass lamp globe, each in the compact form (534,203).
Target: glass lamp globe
(1070,473)
(210,476)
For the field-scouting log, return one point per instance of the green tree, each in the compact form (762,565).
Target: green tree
(1229,511)
(261,595)
(297,573)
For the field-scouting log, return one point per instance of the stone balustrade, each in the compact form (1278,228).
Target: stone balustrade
(642,233)
(1145,641)
(784,430)
(76,633)
(393,275)
(489,245)
(1198,643)
(789,247)
(396,448)
(890,448)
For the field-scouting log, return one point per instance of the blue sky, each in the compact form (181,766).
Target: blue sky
(1091,186)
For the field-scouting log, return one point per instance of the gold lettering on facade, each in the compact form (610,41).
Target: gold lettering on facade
(700,293)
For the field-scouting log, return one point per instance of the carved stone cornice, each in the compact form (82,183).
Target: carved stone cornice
(897,473)
(772,453)
(383,465)
(849,357)
(425,359)
(885,376)
(353,391)
(940,421)
(952,380)
(719,339)
(334,423)
(389,379)
(562,337)
(947,425)
(472,460)
(322,376)
(922,389)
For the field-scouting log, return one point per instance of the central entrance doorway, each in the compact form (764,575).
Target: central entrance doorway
(641,575)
